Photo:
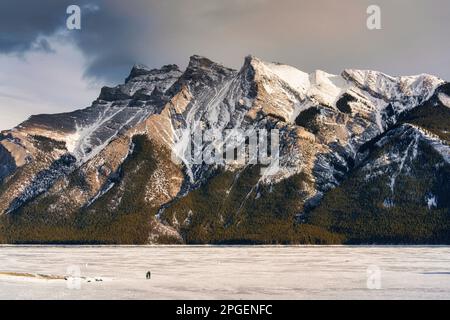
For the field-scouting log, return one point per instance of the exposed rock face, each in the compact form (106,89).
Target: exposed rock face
(115,158)
(8,163)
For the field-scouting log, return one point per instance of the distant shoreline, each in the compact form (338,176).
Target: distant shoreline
(228,245)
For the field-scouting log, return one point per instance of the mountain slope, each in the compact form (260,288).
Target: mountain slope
(364,157)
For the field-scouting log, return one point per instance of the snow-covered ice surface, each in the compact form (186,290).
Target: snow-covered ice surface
(210,272)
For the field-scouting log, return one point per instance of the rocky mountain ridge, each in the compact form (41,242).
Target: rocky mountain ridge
(79,176)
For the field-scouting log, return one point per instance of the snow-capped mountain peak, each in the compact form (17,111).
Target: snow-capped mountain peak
(329,126)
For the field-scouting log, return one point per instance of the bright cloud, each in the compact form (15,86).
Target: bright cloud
(44,81)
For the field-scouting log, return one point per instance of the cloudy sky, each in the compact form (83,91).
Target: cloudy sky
(45,68)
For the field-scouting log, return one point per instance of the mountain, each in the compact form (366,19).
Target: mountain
(363,158)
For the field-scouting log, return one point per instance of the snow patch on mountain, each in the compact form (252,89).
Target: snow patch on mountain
(445,99)
(320,87)
(393,88)
(295,78)
(403,93)
(326,88)
(431,201)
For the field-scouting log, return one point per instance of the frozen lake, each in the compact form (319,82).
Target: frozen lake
(210,272)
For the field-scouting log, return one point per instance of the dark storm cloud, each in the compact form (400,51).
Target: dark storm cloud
(25,23)
(115,34)
(325,34)
(22,22)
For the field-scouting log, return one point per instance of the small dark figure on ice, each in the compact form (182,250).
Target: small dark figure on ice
(148,275)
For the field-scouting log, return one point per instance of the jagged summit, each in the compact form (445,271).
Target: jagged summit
(196,61)
(142,70)
(143,81)
(140,66)
(199,65)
